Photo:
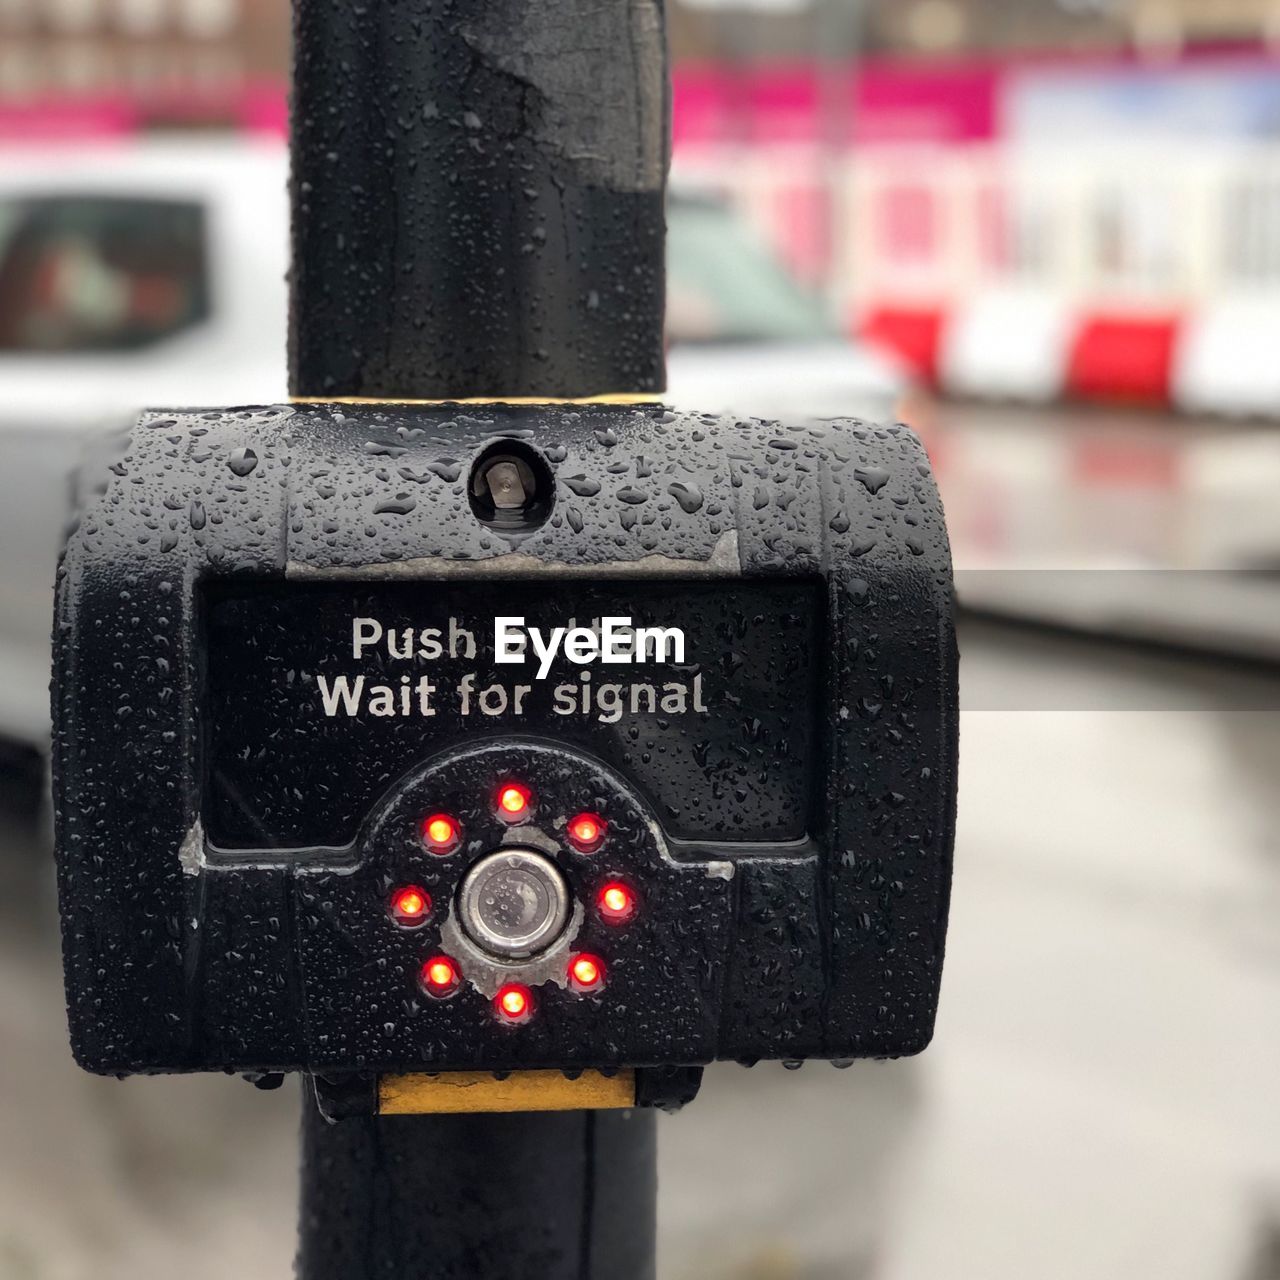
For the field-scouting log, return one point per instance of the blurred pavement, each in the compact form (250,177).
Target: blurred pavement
(1100,1100)
(1114,521)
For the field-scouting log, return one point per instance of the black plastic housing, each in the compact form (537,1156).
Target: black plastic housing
(227,849)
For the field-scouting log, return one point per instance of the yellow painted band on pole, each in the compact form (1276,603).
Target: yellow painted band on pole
(456,1092)
(622,398)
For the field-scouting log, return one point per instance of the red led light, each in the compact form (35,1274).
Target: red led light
(586,973)
(441,976)
(586,832)
(616,903)
(514,800)
(410,905)
(442,833)
(514,1003)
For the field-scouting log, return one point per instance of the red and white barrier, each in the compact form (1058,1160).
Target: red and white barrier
(1007,344)
(1029,346)
(1228,358)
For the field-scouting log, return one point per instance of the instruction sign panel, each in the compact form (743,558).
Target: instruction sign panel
(319,696)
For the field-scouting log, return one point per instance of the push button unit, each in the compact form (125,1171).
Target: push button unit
(514,903)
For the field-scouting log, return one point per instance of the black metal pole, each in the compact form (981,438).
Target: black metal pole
(509,1197)
(478,195)
(478,198)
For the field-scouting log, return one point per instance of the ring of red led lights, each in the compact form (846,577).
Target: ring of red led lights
(514,1003)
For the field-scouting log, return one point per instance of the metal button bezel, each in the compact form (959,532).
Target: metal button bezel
(536,940)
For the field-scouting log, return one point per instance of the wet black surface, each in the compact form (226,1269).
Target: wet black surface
(536,266)
(835,912)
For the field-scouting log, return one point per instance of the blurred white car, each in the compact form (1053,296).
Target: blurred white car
(154,274)
(128,276)
(744,337)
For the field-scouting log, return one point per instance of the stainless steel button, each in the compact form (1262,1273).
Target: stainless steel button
(514,903)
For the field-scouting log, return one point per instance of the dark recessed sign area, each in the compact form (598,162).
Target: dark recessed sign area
(319,697)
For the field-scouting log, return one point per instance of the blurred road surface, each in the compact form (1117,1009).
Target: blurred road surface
(1034,487)
(1111,520)
(1099,1104)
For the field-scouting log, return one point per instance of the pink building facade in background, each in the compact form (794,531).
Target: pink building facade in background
(1100,227)
(876,102)
(1026,228)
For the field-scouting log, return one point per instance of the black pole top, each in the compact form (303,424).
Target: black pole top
(478,198)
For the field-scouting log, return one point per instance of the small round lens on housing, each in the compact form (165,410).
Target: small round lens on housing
(441,833)
(514,1003)
(410,906)
(586,973)
(616,903)
(514,801)
(441,976)
(586,832)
